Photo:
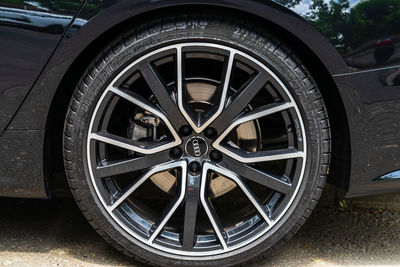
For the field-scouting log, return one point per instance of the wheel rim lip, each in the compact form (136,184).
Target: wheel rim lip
(253,239)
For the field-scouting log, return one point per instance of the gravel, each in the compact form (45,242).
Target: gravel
(54,233)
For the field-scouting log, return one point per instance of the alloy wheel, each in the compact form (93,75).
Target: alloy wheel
(196,149)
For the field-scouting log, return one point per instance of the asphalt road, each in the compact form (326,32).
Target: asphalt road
(54,233)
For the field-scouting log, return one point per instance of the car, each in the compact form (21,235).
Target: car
(199,133)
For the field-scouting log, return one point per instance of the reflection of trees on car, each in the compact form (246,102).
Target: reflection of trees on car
(349,28)
(331,20)
(288,3)
(45,5)
(374,18)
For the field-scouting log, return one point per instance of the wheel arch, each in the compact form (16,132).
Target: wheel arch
(320,58)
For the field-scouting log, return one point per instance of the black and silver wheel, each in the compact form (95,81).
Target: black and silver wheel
(196,145)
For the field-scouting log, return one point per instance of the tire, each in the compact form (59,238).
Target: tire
(272,212)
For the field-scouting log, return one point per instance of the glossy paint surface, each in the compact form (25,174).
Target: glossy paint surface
(367,35)
(374,117)
(29,33)
(358,42)
(365,32)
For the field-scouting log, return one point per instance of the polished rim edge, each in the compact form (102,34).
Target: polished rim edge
(183,164)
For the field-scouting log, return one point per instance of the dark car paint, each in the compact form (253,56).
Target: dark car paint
(29,34)
(30,31)
(369,91)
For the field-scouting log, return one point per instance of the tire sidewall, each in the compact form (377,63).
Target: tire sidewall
(116,59)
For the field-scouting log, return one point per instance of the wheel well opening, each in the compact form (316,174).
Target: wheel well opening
(339,171)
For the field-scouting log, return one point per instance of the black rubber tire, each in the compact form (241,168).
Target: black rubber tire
(146,37)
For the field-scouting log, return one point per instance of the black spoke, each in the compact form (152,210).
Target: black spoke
(135,99)
(110,168)
(271,181)
(263,210)
(240,101)
(187,157)
(213,217)
(125,143)
(268,110)
(267,155)
(165,216)
(124,194)
(199,121)
(192,203)
(160,90)
(225,78)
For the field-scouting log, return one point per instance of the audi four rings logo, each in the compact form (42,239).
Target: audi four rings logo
(196,147)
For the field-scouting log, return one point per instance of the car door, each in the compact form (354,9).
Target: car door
(29,33)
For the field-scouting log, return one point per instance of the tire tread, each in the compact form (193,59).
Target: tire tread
(148,33)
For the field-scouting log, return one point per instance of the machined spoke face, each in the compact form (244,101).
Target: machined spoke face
(134,185)
(198,122)
(264,211)
(191,207)
(107,169)
(160,90)
(196,149)
(268,180)
(240,101)
(171,208)
(125,143)
(212,216)
(279,154)
(253,115)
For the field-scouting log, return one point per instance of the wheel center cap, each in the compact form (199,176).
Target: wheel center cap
(196,147)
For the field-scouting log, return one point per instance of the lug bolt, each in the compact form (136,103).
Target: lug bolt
(210,132)
(185,130)
(215,156)
(176,152)
(194,166)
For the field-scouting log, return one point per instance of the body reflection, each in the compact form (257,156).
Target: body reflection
(29,33)
(35,20)
(365,32)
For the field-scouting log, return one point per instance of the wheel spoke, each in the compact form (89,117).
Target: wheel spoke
(252,115)
(192,203)
(171,208)
(261,156)
(205,96)
(122,142)
(241,100)
(222,97)
(264,211)
(268,180)
(208,207)
(159,88)
(146,105)
(111,168)
(137,100)
(142,178)
(263,111)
